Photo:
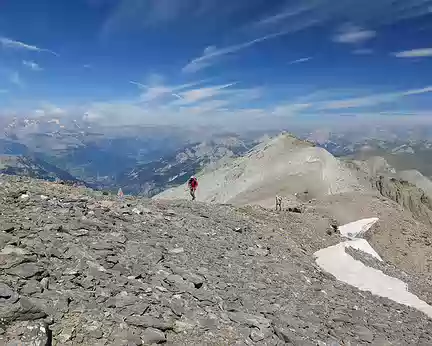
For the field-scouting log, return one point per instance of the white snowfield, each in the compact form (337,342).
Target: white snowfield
(345,268)
(357,228)
(282,166)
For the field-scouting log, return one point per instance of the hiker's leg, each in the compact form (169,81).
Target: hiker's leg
(192,193)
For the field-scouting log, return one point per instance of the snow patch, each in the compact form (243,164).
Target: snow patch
(357,228)
(362,245)
(345,268)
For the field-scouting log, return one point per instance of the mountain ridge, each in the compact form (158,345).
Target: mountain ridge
(284,165)
(31,166)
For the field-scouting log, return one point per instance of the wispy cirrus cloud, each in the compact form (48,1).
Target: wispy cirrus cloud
(155,89)
(371,100)
(286,14)
(352,34)
(12,44)
(310,13)
(32,65)
(414,53)
(195,98)
(211,54)
(225,110)
(299,61)
(195,95)
(375,13)
(154,92)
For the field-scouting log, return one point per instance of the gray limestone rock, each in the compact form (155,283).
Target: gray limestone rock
(29,334)
(181,273)
(148,322)
(26,270)
(6,227)
(153,336)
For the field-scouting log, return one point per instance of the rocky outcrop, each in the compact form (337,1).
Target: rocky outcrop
(414,195)
(407,195)
(79,268)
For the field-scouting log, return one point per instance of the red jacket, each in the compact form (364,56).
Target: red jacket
(193,183)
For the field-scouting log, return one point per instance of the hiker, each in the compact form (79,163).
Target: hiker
(192,184)
(278,203)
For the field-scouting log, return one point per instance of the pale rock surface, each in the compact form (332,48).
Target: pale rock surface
(282,166)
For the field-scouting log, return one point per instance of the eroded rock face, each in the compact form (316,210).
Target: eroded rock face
(407,195)
(78,268)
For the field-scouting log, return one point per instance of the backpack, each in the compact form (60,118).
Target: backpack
(193,182)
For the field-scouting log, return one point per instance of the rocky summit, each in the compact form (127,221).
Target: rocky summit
(82,268)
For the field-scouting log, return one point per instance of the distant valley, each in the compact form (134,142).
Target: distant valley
(147,160)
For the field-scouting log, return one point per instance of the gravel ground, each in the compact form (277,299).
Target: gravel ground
(81,268)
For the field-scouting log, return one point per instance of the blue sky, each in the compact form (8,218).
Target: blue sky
(168,61)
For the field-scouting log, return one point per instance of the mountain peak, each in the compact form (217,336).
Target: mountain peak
(283,165)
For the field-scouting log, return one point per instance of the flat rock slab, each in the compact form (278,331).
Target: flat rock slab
(26,270)
(153,336)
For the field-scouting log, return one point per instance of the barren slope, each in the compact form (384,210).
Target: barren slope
(398,238)
(284,165)
(78,268)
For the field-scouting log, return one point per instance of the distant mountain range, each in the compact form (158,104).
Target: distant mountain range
(149,159)
(153,177)
(141,160)
(32,167)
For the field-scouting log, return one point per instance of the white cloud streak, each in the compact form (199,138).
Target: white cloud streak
(351,34)
(32,65)
(284,15)
(299,61)
(225,110)
(12,44)
(371,100)
(211,53)
(195,95)
(414,53)
(173,104)
(375,13)
(417,91)
(154,91)
(311,13)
